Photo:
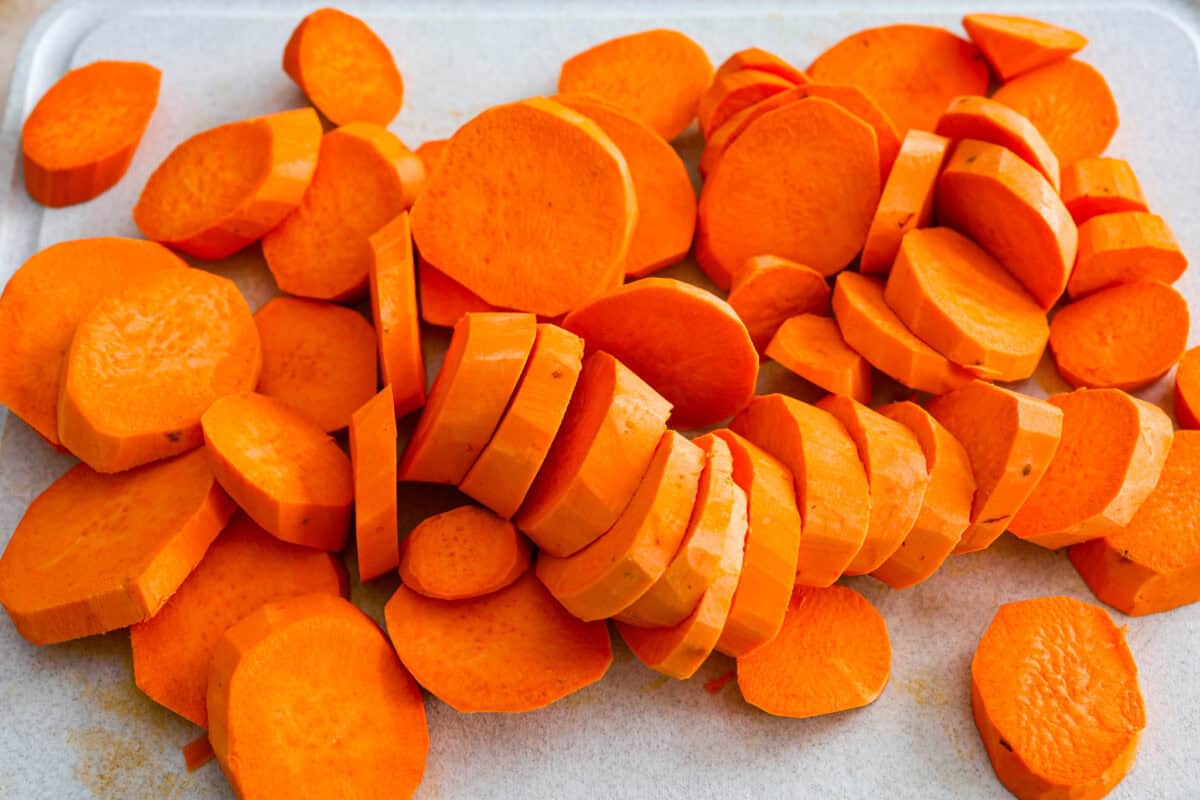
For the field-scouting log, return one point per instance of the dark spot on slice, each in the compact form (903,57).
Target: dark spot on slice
(174,436)
(1006,745)
(556,374)
(1125,556)
(993,520)
(971,159)
(907,219)
(1025,470)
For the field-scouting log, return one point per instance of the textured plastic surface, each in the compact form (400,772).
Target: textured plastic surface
(72,723)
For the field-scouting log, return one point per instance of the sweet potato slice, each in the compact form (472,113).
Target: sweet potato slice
(282,469)
(814,169)
(960,301)
(544,228)
(430,152)
(812,347)
(1125,337)
(1125,247)
(94,552)
(463,553)
(1010,439)
(332,668)
(611,573)
(734,91)
(1108,461)
(365,176)
(344,68)
(444,301)
(666,201)
(479,374)
(768,290)
(991,121)
(684,341)
(945,508)
(510,651)
(1187,390)
(907,199)
(317,357)
(243,569)
(182,338)
(911,71)
(764,61)
(1056,699)
(393,281)
(832,654)
(718,516)
(1009,209)
(1153,563)
(772,546)
(1070,103)
(1013,45)
(223,189)
(603,447)
(1094,186)
(656,76)
(831,483)
(42,305)
(506,468)
(872,329)
(679,651)
(896,476)
(82,134)
(373,459)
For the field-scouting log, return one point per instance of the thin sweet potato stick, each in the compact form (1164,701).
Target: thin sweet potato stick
(373,459)
(392,278)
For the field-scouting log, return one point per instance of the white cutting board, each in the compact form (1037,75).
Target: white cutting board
(72,723)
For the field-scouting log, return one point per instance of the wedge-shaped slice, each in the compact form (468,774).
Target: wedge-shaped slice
(94,552)
(283,470)
(1013,45)
(719,514)
(831,483)
(872,329)
(147,362)
(945,508)
(478,376)
(333,669)
(1008,208)
(42,305)
(1094,186)
(243,569)
(986,120)
(511,651)
(896,475)
(1153,563)
(959,300)
(1124,247)
(772,546)
(225,188)
(812,347)
(603,447)
(1112,451)
(832,654)
(1011,439)
(1055,694)
(611,573)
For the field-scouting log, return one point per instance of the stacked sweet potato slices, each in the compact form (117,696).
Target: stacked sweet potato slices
(906,224)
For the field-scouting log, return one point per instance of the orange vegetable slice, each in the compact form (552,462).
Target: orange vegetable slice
(907,199)
(225,188)
(734,91)
(812,347)
(1094,186)
(1013,45)
(282,469)
(463,553)
(764,61)
(345,69)
(769,290)
(95,552)
(479,374)
(1125,247)
(365,176)
(82,134)
(184,338)
(1187,390)
(392,278)
(991,121)
(373,458)
(510,651)
(42,305)
(611,573)
(444,301)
